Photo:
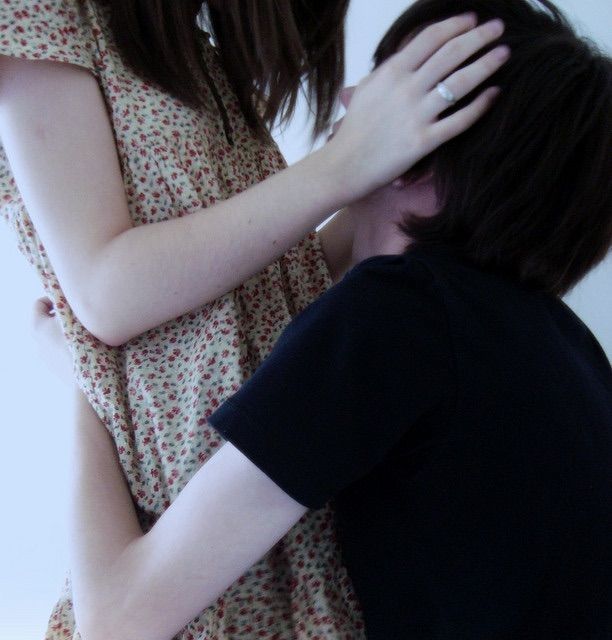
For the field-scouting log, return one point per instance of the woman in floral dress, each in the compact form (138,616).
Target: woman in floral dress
(175,246)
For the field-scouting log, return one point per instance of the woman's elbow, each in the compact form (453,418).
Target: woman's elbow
(111,334)
(103,324)
(97,305)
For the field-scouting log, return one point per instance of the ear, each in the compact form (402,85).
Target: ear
(405,181)
(400,183)
(415,196)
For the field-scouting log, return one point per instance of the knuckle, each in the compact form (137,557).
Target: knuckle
(455,23)
(484,33)
(437,31)
(454,48)
(394,71)
(437,27)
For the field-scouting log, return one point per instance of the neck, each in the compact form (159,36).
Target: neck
(375,236)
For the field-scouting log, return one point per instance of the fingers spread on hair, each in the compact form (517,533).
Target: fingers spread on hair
(463,119)
(427,42)
(464,81)
(456,51)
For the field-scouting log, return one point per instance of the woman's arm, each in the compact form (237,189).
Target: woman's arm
(122,280)
(122,579)
(129,586)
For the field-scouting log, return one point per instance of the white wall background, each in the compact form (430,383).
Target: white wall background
(35,407)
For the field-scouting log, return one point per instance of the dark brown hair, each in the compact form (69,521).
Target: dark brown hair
(527,191)
(268,47)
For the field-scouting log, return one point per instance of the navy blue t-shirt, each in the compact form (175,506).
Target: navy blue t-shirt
(462,426)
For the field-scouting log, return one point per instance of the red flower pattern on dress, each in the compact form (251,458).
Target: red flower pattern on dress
(156,392)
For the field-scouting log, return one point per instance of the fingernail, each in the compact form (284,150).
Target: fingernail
(496,26)
(471,16)
(503,52)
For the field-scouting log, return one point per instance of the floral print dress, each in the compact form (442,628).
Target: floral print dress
(155,393)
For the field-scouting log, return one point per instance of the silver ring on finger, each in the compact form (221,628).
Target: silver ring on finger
(446,93)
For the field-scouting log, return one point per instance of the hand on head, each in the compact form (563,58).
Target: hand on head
(401,104)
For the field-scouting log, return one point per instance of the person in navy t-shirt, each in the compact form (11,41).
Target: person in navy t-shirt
(457,412)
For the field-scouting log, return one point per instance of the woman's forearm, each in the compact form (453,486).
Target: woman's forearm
(152,273)
(103,520)
(128,586)
(121,280)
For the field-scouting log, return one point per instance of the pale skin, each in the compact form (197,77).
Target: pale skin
(227,516)
(122,280)
(128,585)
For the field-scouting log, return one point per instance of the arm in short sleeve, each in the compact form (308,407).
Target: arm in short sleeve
(345,382)
(54,30)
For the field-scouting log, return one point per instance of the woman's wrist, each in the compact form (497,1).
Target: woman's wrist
(335,178)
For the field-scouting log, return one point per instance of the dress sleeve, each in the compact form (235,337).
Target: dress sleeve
(54,30)
(345,382)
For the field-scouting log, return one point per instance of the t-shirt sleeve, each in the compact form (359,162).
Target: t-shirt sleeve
(345,382)
(54,30)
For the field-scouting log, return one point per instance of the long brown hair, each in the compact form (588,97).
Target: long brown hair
(268,47)
(526,191)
